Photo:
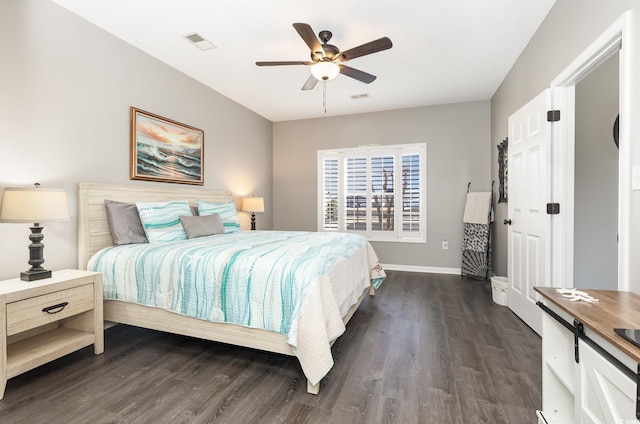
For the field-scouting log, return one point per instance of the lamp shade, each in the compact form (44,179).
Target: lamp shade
(31,205)
(253,204)
(325,71)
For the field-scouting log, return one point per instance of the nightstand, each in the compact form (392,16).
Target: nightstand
(46,319)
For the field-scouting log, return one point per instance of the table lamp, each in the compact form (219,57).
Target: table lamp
(253,204)
(34,205)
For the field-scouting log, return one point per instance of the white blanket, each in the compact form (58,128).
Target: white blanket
(295,283)
(478,208)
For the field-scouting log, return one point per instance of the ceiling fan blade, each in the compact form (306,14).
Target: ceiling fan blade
(310,84)
(291,62)
(309,37)
(374,46)
(357,74)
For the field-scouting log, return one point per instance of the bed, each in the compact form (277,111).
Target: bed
(323,307)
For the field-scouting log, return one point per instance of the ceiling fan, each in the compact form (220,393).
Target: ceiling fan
(327,60)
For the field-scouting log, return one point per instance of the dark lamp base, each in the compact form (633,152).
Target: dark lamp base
(35,275)
(36,259)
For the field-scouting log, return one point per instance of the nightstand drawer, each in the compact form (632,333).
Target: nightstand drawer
(36,311)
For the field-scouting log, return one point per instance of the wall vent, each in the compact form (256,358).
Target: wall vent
(360,96)
(199,41)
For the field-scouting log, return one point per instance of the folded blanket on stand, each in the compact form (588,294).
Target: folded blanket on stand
(478,208)
(476,244)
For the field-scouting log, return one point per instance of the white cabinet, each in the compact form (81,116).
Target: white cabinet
(558,371)
(599,388)
(607,394)
(544,418)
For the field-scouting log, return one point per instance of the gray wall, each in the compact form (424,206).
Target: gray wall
(66,87)
(596,180)
(458,152)
(569,28)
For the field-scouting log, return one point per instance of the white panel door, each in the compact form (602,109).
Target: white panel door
(529,190)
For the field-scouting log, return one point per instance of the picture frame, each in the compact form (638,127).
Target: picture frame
(503,154)
(164,150)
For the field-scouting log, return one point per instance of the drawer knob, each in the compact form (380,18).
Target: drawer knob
(54,309)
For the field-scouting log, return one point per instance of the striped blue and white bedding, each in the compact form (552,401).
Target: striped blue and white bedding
(299,284)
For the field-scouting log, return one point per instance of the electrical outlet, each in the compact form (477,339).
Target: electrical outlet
(445,245)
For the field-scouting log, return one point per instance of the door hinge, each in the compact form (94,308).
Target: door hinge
(553,208)
(553,115)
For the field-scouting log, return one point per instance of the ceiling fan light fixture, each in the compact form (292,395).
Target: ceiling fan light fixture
(325,71)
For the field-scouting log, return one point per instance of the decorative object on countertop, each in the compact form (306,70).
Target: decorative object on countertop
(34,205)
(574,294)
(253,204)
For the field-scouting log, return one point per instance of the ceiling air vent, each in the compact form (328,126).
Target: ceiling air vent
(199,41)
(360,96)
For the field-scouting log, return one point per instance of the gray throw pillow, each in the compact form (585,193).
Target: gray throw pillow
(124,223)
(200,226)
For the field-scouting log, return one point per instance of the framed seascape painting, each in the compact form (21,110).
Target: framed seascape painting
(165,150)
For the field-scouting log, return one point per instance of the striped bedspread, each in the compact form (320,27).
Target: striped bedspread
(299,284)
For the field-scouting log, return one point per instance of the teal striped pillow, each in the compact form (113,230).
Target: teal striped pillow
(227,212)
(161,220)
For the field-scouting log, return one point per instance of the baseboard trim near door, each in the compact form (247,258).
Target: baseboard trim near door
(425,269)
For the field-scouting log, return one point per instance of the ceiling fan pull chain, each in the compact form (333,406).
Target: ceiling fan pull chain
(324,95)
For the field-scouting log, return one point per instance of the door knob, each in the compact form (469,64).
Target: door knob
(507,222)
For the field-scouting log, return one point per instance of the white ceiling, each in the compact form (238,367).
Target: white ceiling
(444,51)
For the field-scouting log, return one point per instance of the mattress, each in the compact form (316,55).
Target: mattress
(299,284)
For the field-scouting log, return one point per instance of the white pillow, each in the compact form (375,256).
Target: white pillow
(161,220)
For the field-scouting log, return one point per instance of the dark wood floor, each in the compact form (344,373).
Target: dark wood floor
(427,348)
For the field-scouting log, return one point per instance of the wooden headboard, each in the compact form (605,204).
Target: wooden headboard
(93,228)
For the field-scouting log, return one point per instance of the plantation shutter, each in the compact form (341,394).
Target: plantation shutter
(330,206)
(377,191)
(411,194)
(355,193)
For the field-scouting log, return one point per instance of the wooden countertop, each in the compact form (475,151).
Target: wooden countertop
(615,309)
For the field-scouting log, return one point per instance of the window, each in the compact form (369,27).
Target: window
(377,191)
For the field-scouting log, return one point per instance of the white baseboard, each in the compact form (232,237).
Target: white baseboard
(427,269)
